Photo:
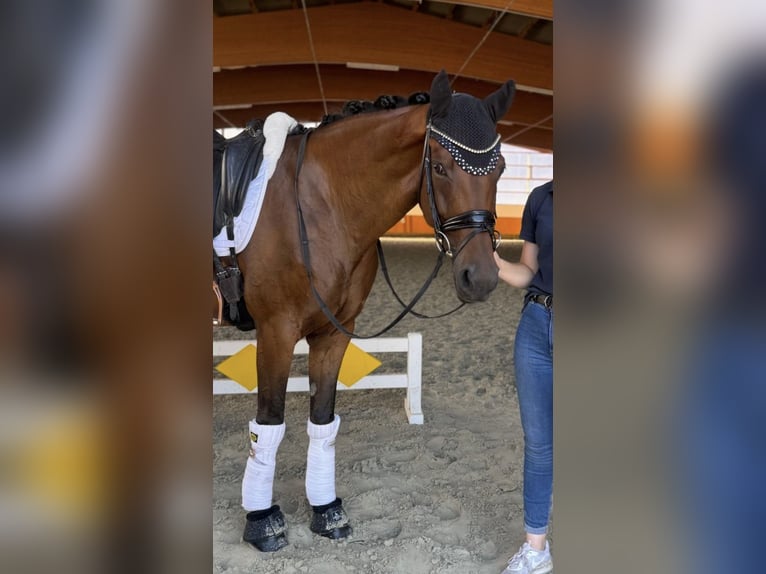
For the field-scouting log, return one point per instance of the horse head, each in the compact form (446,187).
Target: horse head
(462,166)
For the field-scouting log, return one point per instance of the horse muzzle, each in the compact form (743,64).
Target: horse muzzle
(475,275)
(474,284)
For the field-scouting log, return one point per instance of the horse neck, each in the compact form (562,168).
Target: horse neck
(376,158)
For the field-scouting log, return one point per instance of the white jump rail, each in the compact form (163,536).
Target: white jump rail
(411,380)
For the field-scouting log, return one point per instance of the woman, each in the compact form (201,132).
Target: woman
(533,358)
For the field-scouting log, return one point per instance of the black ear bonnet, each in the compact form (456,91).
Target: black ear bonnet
(468,133)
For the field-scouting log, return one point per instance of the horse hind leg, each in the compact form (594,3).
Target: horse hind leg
(328,519)
(265,527)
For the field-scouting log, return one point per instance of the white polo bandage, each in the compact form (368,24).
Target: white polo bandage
(258,483)
(320,462)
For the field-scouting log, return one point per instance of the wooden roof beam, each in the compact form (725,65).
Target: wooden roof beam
(542,9)
(379,34)
(284,84)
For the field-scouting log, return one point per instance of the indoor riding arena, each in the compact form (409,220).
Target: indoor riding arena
(437,493)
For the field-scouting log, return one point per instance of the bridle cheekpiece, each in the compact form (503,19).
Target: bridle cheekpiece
(479,220)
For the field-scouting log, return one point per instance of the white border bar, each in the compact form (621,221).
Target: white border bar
(412,380)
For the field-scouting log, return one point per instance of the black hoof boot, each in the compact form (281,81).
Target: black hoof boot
(266,529)
(330,520)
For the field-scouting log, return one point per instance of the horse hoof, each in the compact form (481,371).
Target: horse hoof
(330,520)
(265,530)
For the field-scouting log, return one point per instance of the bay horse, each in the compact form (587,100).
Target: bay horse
(335,191)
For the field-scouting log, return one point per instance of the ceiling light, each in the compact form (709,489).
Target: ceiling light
(377,67)
(532,89)
(233,107)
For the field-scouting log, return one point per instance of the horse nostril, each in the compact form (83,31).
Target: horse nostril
(465,279)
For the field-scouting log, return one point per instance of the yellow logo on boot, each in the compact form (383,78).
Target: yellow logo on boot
(253,439)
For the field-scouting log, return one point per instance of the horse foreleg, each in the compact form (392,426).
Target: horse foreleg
(265,527)
(326,353)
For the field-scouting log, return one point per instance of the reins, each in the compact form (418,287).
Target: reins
(479,220)
(384,269)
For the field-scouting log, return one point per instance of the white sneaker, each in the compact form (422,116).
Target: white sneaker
(530,561)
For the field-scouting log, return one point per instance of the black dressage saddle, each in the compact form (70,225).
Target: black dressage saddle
(235,164)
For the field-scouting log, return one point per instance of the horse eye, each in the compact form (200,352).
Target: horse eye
(439,169)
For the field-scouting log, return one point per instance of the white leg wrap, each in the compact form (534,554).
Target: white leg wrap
(320,463)
(258,483)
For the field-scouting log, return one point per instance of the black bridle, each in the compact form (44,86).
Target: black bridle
(480,220)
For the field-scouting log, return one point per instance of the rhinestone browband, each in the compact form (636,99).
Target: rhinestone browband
(465,147)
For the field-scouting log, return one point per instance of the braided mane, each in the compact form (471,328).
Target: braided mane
(356,107)
(385,102)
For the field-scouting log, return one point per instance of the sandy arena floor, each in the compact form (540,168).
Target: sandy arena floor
(443,497)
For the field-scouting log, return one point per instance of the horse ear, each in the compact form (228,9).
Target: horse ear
(441,95)
(499,101)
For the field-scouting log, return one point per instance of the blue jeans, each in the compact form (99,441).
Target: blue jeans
(533,359)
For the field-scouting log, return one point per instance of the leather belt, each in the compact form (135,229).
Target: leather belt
(544,300)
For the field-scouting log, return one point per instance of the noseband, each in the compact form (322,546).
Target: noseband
(479,220)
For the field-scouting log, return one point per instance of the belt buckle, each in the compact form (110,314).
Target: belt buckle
(544,300)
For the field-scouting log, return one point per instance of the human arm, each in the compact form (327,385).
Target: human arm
(519,274)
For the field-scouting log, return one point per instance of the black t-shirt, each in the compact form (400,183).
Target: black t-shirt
(537,228)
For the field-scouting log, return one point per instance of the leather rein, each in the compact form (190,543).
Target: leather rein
(479,220)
